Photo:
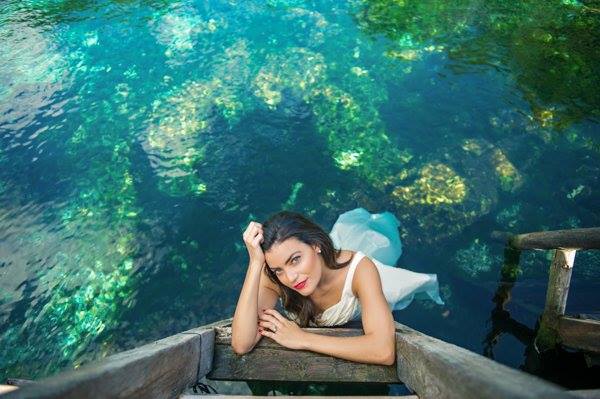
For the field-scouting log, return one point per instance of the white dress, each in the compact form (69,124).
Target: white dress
(377,235)
(400,286)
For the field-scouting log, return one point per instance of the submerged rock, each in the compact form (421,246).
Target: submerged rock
(298,69)
(179,31)
(353,128)
(507,174)
(174,136)
(475,260)
(443,196)
(437,184)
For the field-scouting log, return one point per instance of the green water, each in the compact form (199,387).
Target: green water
(138,139)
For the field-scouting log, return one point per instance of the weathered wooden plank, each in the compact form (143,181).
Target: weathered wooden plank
(573,238)
(271,361)
(219,323)
(580,333)
(561,268)
(437,369)
(587,393)
(207,342)
(293,396)
(161,369)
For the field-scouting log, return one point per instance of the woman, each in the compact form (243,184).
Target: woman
(294,259)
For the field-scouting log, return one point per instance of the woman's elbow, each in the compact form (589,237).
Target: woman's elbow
(388,354)
(240,349)
(388,358)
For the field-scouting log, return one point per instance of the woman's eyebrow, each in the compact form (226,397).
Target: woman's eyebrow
(287,261)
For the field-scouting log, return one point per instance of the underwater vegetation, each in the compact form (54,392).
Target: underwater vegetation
(476,259)
(454,189)
(92,278)
(174,139)
(179,30)
(88,237)
(435,194)
(184,119)
(35,65)
(548,47)
(353,130)
(509,218)
(437,184)
(35,62)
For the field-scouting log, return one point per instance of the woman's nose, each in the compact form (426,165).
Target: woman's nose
(291,275)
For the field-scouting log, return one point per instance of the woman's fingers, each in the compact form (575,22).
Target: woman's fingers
(252,231)
(270,323)
(276,315)
(270,319)
(252,228)
(257,240)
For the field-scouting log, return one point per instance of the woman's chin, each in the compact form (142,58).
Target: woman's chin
(306,291)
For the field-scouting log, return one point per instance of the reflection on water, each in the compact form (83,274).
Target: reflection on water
(138,140)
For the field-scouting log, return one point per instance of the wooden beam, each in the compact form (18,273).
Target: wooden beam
(271,361)
(437,369)
(162,369)
(293,396)
(574,238)
(587,393)
(559,280)
(580,333)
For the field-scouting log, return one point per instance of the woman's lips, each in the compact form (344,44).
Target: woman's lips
(301,285)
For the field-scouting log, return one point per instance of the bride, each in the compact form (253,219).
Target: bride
(294,260)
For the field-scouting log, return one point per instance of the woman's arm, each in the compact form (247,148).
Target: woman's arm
(257,293)
(378,344)
(367,348)
(244,325)
(244,328)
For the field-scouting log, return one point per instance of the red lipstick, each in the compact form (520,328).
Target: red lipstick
(301,285)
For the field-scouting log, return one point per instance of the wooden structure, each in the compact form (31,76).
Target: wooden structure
(428,366)
(555,327)
(163,369)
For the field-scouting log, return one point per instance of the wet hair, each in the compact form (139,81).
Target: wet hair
(286,224)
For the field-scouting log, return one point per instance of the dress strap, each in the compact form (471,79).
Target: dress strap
(358,255)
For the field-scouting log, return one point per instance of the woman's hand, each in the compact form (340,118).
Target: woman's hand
(253,236)
(285,332)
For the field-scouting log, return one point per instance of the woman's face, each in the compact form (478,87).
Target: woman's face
(297,265)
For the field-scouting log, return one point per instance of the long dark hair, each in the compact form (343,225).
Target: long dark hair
(286,224)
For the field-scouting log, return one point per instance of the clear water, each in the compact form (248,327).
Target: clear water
(138,139)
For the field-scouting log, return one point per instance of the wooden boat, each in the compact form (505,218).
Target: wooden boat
(429,367)
(163,369)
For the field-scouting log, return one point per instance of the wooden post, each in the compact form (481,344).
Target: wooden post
(556,299)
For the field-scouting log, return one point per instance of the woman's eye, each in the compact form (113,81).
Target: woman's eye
(295,259)
(278,271)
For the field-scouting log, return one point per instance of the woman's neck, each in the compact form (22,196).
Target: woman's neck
(329,276)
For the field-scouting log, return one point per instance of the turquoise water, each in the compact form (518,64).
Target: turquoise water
(138,139)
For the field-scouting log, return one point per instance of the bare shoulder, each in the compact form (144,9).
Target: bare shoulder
(366,277)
